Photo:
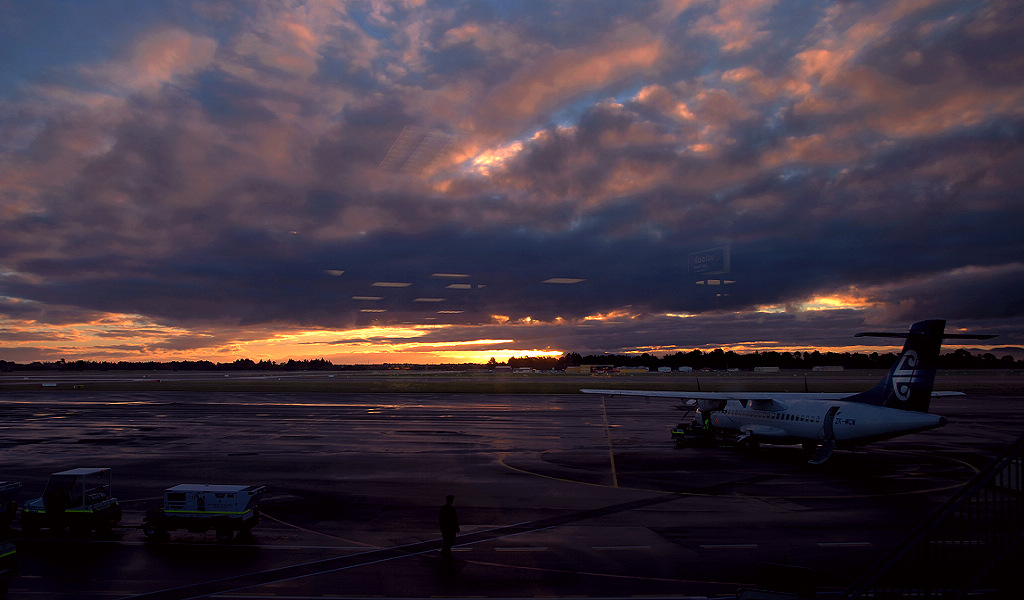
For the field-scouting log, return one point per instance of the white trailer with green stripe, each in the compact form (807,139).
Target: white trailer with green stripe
(200,507)
(78,499)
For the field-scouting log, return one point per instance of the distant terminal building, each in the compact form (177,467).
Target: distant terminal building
(591,369)
(632,370)
(766,369)
(823,369)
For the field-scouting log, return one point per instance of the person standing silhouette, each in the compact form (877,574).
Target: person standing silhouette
(448,520)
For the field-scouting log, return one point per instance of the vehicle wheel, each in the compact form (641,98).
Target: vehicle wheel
(224,535)
(150,530)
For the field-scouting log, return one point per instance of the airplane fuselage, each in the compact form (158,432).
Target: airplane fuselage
(793,421)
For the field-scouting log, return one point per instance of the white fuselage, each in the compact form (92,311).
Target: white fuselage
(800,420)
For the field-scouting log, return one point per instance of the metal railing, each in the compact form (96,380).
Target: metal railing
(954,552)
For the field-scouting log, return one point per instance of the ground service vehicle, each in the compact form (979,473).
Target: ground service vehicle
(692,435)
(8,502)
(202,507)
(78,499)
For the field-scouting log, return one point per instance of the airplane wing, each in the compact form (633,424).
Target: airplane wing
(766,401)
(741,396)
(664,394)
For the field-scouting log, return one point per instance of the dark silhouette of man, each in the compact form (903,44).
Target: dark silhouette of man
(448,520)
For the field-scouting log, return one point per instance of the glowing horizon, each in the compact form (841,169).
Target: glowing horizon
(108,339)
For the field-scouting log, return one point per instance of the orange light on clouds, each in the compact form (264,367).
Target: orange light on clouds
(615,315)
(134,338)
(377,344)
(837,301)
(489,160)
(502,355)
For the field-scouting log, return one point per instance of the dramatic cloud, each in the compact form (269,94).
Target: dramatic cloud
(383,181)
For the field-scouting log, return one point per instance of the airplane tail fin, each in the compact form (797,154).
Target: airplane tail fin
(908,385)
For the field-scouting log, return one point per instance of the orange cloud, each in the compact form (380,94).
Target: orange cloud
(497,39)
(156,59)
(159,58)
(547,81)
(737,23)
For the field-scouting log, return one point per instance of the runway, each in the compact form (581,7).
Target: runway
(564,495)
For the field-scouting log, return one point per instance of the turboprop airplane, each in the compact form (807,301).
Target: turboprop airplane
(896,406)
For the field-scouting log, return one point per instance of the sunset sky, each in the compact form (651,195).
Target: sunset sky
(416,181)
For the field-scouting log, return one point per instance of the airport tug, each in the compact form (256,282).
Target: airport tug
(693,434)
(202,507)
(77,499)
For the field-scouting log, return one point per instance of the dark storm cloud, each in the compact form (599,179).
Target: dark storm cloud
(228,173)
(54,314)
(933,47)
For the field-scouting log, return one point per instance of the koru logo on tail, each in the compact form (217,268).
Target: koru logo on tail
(905,375)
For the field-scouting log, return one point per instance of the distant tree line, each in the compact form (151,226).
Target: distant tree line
(696,359)
(720,360)
(242,364)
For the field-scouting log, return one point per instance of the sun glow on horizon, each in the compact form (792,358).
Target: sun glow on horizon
(134,338)
(847,300)
(110,337)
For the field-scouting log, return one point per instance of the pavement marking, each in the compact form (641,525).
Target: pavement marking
(236,583)
(334,537)
(611,451)
(609,576)
(720,489)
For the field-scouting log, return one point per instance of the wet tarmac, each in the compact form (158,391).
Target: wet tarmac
(567,495)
